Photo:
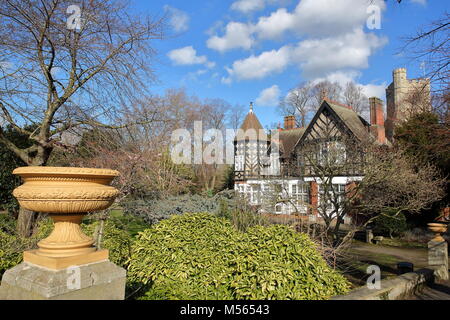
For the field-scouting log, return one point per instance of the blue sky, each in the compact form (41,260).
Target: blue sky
(257,50)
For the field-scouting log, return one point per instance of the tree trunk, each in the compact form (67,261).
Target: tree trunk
(25,222)
(26,219)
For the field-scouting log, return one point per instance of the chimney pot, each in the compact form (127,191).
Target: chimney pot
(289,122)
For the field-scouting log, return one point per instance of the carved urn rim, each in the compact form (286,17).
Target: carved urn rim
(33,171)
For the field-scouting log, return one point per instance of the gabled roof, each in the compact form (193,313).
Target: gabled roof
(349,120)
(288,139)
(357,125)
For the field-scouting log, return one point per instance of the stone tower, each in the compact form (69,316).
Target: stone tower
(405,97)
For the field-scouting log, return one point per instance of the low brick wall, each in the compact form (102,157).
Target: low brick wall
(397,288)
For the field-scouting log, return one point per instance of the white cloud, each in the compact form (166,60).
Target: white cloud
(188,56)
(237,35)
(246,6)
(312,18)
(342,78)
(332,39)
(375,90)
(273,26)
(268,96)
(331,17)
(257,67)
(179,20)
(422,2)
(317,57)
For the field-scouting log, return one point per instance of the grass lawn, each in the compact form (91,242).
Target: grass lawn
(132,224)
(361,255)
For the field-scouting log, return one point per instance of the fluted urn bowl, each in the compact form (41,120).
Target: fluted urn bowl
(438,229)
(66,194)
(60,190)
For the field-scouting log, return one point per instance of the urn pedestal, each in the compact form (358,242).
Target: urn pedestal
(65,261)
(438,251)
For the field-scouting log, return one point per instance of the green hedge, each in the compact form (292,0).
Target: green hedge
(117,240)
(390,224)
(200,256)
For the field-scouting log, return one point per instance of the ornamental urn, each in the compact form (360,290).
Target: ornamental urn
(66,194)
(438,228)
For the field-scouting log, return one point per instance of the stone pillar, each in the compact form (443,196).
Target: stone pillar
(369,235)
(438,258)
(66,265)
(94,281)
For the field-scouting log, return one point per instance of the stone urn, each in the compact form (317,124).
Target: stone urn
(66,194)
(438,229)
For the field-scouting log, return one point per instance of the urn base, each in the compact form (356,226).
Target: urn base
(94,281)
(58,263)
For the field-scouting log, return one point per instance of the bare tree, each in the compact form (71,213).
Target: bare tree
(298,103)
(431,45)
(353,96)
(65,66)
(56,77)
(325,89)
(235,116)
(384,180)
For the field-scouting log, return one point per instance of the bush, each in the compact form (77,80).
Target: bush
(117,240)
(152,211)
(390,224)
(12,245)
(200,256)
(11,249)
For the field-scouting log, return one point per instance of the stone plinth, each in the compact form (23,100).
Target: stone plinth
(438,258)
(95,281)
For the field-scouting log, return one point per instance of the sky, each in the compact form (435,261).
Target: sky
(258,50)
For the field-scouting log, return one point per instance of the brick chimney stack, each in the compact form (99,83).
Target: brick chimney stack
(289,122)
(377,119)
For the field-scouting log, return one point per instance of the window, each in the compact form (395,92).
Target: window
(255,194)
(300,195)
(278,208)
(335,192)
(239,163)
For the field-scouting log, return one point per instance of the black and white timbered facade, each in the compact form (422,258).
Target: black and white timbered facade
(280,172)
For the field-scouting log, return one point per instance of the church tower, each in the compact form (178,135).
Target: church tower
(250,148)
(404,98)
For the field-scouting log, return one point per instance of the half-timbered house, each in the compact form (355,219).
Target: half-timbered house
(279,171)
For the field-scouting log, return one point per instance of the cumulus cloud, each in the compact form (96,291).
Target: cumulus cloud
(331,37)
(311,18)
(237,35)
(257,67)
(422,2)
(274,25)
(178,20)
(188,56)
(343,77)
(330,17)
(268,96)
(317,57)
(247,6)
(314,57)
